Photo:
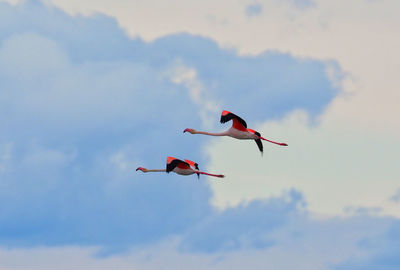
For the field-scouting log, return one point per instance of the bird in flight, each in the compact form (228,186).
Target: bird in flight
(181,167)
(238,130)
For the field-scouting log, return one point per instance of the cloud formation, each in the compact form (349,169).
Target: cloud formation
(82,105)
(383,252)
(245,226)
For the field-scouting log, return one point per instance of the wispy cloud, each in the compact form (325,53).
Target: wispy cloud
(382,252)
(245,226)
(303,4)
(254,9)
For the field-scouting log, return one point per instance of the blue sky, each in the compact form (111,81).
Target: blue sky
(83,103)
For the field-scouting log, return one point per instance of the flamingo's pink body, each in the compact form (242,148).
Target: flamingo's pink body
(238,130)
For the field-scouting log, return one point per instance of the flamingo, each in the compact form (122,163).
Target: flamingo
(238,130)
(178,166)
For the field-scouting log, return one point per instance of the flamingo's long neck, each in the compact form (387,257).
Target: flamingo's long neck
(211,133)
(210,174)
(161,170)
(283,144)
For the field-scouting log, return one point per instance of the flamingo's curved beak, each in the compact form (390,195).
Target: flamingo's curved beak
(190,130)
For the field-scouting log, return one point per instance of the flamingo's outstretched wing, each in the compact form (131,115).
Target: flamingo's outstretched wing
(237,122)
(172,163)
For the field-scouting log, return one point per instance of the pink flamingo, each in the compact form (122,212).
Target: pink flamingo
(238,130)
(178,166)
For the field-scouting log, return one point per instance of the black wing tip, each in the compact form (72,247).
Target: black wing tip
(197,168)
(227,117)
(223,119)
(260,145)
(171,166)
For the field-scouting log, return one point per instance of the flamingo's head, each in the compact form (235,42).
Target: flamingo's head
(190,130)
(141,169)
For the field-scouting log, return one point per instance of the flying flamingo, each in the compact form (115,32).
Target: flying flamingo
(178,166)
(238,130)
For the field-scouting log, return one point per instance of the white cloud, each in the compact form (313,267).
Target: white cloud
(39,155)
(187,77)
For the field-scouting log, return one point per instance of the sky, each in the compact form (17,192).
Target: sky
(91,90)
